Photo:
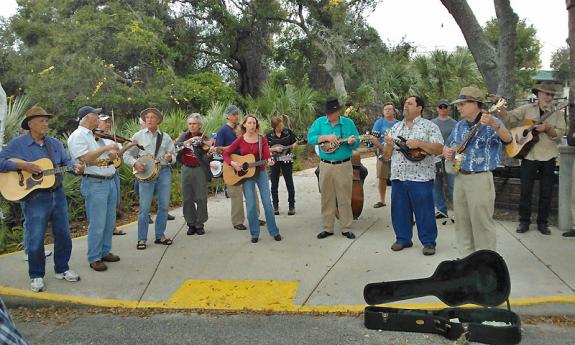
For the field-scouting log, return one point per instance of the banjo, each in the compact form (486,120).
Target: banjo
(151,171)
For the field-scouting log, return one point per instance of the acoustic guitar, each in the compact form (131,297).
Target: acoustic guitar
(249,165)
(525,137)
(18,184)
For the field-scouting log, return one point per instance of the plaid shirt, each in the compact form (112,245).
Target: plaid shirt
(9,335)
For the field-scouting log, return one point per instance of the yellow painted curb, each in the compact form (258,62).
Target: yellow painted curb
(246,295)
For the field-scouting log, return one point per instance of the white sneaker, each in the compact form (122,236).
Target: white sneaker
(69,275)
(37,284)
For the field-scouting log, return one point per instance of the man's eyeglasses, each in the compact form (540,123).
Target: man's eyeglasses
(443,106)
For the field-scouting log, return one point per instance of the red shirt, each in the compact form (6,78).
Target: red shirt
(247,148)
(188,156)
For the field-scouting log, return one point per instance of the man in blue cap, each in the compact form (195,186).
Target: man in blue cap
(98,186)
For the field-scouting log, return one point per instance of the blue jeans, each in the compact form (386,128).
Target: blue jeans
(117,182)
(261,180)
(100,198)
(161,186)
(38,209)
(409,198)
(439,195)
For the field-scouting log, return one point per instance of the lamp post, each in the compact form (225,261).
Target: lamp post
(571,42)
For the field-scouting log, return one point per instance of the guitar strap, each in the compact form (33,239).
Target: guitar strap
(158,144)
(475,122)
(259,147)
(52,156)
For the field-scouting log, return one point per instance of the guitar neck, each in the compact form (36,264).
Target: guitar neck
(469,136)
(58,170)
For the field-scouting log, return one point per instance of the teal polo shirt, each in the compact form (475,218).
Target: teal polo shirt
(343,129)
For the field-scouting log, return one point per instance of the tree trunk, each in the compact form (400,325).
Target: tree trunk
(483,52)
(571,42)
(331,68)
(506,49)
(3,113)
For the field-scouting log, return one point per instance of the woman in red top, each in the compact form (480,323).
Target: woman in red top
(248,143)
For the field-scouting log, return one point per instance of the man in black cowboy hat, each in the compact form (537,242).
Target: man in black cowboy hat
(542,157)
(336,171)
(42,205)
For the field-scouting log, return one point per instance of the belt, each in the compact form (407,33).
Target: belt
(463,172)
(100,176)
(335,162)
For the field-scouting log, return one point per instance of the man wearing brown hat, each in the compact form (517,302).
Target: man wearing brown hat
(42,205)
(98,186)
(335,169)
(161,147)
(474,195)
(542,157)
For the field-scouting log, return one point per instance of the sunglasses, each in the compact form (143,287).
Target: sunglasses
(443,106)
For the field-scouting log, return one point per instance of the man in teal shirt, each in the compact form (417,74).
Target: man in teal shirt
(339,136)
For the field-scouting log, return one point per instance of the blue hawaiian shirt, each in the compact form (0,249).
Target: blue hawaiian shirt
(483,152)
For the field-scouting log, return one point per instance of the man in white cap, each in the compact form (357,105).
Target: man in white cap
(542,157)
(42,205)
(98,186)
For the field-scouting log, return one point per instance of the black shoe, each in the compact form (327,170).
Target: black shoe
(349,235)
(262,222)
(544,229)
(254,240)
(200,230)
(440,215)
(170,217)
(278,237)
(151,221)
(240,227)
(522,227)
(324,234)
(570,233)
(291,211)
(191,230)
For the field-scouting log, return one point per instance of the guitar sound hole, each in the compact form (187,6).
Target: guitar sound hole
(37,176)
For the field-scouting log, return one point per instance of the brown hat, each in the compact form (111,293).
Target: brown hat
(151,110)
(546,86)
(469,93)
(35,111)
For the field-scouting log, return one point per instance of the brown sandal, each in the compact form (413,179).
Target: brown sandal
(141,246)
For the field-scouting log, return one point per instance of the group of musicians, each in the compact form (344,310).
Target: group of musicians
(476,141)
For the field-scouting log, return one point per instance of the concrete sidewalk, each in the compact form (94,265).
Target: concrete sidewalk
(224,270)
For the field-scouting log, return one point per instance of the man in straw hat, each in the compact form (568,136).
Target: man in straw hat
(42,205)
(161,146)
(98,187)
(335,169)
(542,157)
(474,195)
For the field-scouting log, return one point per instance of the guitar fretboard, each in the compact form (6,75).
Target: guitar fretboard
(58,170)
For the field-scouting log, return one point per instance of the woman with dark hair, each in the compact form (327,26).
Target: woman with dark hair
(251,142)
(281,141)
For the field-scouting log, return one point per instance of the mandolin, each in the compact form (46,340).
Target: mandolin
(249,165)
(331,147)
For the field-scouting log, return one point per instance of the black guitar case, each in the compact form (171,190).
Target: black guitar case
(482,278)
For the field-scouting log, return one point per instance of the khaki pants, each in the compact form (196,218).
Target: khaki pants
(336,182)
(474,203)
(236,194)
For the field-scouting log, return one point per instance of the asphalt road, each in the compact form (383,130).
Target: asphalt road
(243,329)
